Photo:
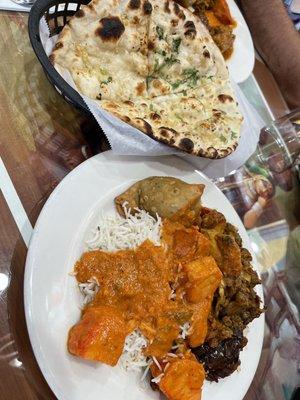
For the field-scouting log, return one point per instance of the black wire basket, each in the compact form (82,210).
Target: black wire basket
(57,13)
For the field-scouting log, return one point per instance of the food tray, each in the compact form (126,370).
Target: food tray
(57,13)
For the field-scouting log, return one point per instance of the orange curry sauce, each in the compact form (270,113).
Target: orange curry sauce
(154,288)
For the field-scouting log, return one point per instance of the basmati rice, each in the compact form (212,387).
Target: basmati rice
(116,233)
(89,289)
(157,363)
(133,358)
(185,330)
(158,378)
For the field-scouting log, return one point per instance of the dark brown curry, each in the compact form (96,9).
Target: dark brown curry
(215,14)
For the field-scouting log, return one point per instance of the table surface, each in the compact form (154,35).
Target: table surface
(42,138)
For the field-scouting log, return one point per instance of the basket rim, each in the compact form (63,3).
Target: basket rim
(38,11)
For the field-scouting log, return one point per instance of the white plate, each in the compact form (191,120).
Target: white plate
(241,63)
(51,294)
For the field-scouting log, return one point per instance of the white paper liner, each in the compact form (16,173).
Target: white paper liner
(127,140)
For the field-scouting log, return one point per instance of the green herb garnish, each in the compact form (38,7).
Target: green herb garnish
(149,78)
(234,135)
(162,53)
(160,32)
(168,61)
(176,44)
(108,80)
(176,84)
(171,60)
(223,139)
(192,76)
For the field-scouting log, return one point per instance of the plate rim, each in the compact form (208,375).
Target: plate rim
(234,8)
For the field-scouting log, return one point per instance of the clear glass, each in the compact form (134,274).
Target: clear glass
(279,144)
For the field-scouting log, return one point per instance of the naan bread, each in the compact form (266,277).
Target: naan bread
(153,64)
(204,122)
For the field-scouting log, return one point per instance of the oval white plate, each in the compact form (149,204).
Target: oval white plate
(51,295)
(241,62)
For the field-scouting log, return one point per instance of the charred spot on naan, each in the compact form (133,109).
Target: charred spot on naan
(168,134)
(144,126)
(169,142)
(217,113)
(113,109)
(134,4)
(147,7)
(186,144)
(126,119)
(136,21)
(155,117)
(140,88)
(211,152)
(178,11)
(206,53)
(225,152)
(111,29)
(129,103)
(167,7)
(52,58)
(190,30)
(58,45)
(80,13)
(224,98)
(174,22)
(150,45)
(215,154)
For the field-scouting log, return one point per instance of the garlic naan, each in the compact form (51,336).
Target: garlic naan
(154,65)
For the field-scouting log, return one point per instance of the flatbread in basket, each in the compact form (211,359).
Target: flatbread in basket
(154,65)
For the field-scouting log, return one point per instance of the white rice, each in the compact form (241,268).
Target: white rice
(157,363)
(172,355)
(185,330)
(89,289)
(157,379)
(133,358)
(116,233)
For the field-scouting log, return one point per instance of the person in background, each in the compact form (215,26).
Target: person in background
(277,42)
(249,192)
(260,190)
